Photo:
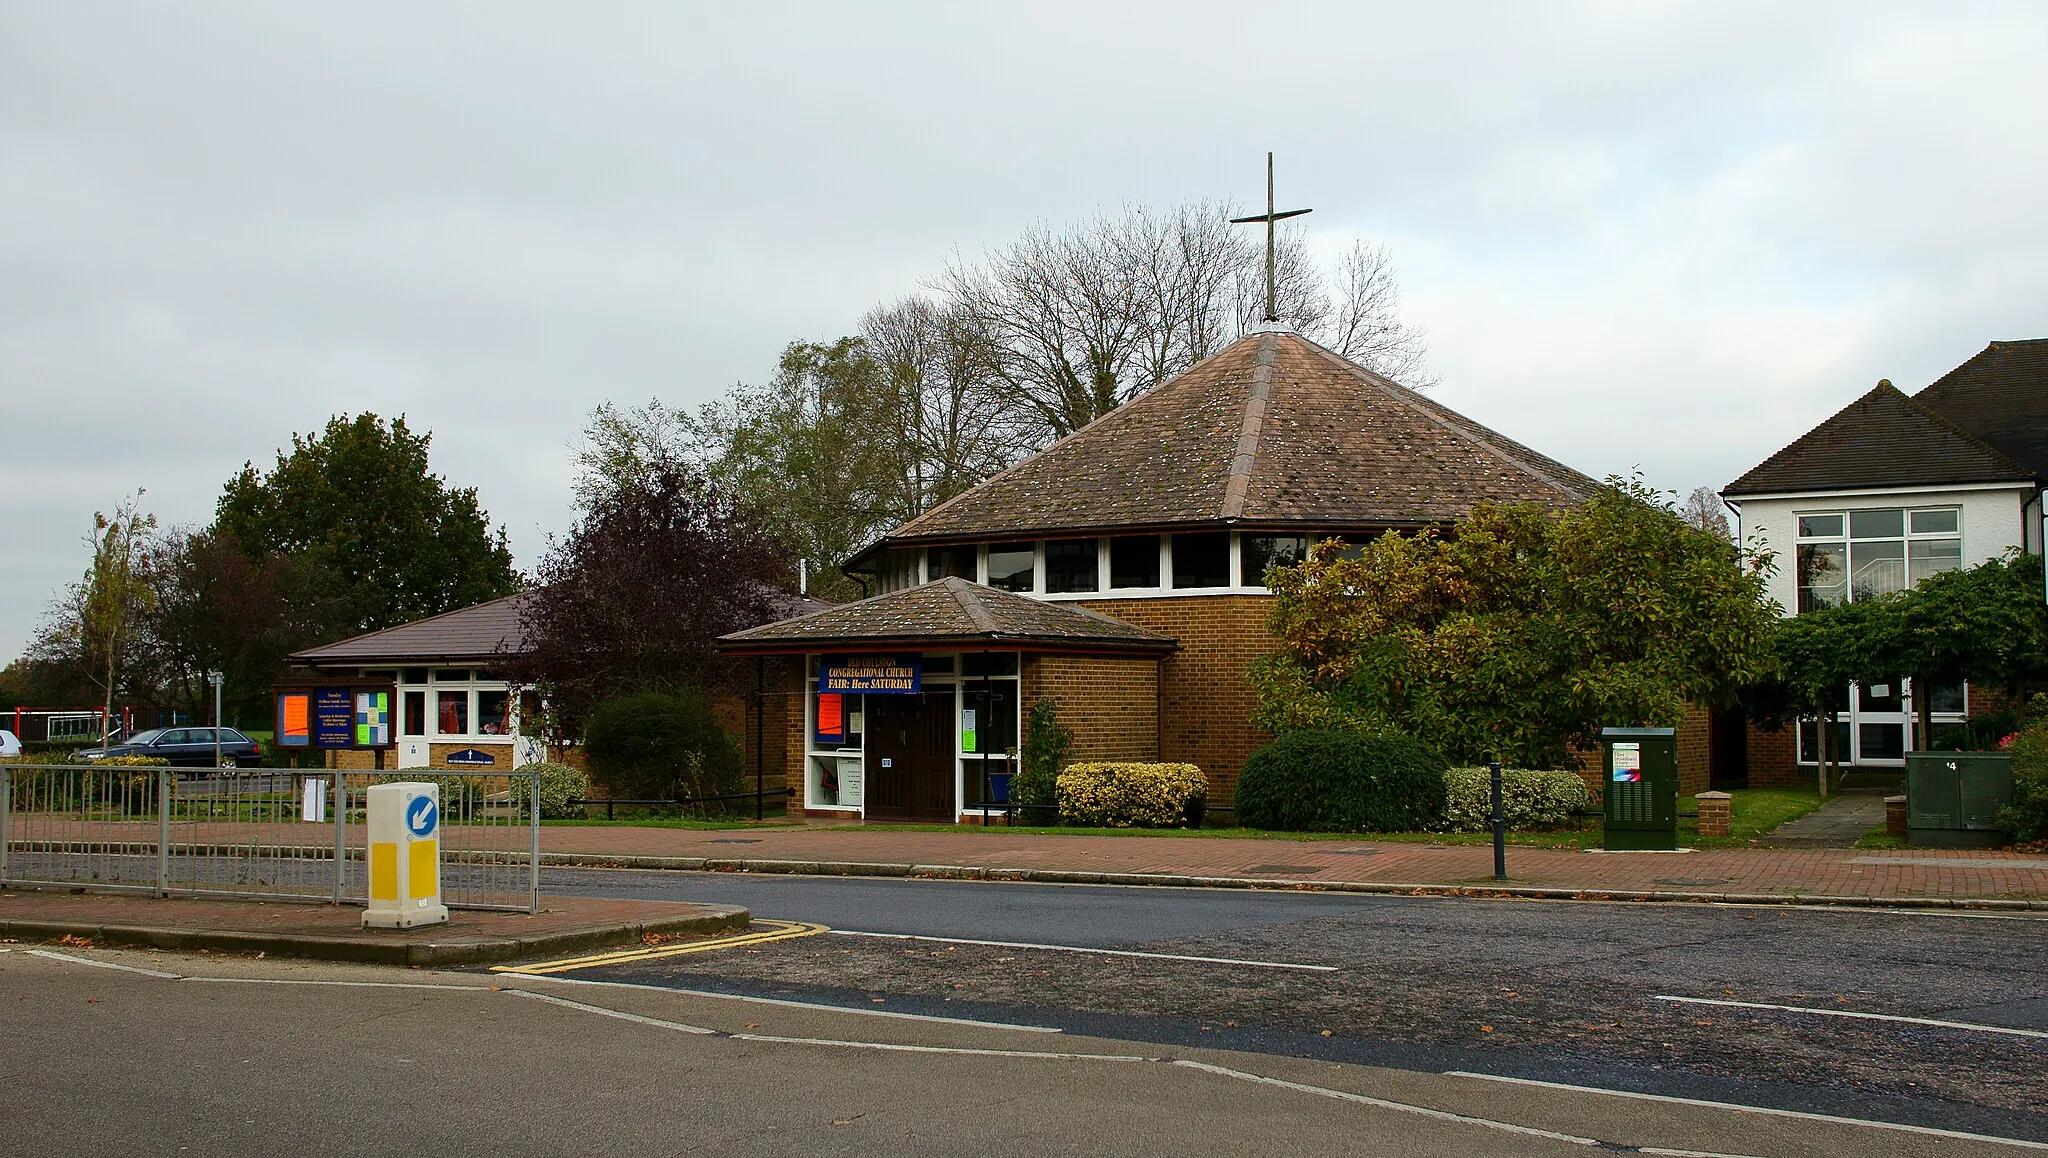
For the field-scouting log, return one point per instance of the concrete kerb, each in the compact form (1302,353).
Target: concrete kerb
(458,950)
(1192,881)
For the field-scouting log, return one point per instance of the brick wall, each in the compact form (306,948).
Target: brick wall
(1111,705)
(1695,750)
(1773,757)
(1205,702)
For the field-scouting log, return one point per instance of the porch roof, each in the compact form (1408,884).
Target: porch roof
(951,614)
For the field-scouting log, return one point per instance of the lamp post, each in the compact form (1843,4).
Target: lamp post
(216,678)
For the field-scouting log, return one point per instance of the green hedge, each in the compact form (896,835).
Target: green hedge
(1323,781)
(1531,801)
(1130,795)
(657,746)
(559,784)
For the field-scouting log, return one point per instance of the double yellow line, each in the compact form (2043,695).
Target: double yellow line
(778,931)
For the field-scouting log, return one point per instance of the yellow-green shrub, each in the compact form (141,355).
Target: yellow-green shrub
(1131,795)
(131,762)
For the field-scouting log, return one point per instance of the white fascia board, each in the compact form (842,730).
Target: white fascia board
(1866,492)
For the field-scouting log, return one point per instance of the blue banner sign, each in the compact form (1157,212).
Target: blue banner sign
(334,718)
(873,675)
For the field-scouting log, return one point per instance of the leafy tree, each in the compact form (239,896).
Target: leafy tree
(218,606)
(1521,633)
(91,631)
(359,502)
(1986,624)
(1047,745)
(634,598)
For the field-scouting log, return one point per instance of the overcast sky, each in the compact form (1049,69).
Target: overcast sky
(1666,236)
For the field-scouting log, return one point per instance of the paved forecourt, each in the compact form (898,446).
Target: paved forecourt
(1902,875)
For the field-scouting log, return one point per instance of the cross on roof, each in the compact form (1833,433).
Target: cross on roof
(1270,218)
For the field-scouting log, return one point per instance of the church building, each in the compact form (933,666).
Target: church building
(1120,572)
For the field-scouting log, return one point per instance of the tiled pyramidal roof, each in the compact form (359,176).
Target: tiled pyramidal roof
(950,611)
(1985,421)
(1272,430)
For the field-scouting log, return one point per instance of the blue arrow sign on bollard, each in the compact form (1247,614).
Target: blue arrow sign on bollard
(421,816)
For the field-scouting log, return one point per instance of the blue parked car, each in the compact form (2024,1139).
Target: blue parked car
(184,747)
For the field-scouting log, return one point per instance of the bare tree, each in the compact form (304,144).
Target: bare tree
(1365,323)
(937,370)
(1704,511)
(1085,319)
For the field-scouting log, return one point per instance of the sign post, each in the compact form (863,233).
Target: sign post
(405,856)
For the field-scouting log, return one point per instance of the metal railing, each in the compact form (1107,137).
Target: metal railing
(269,833)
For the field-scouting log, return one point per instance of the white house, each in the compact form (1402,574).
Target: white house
(1895,488)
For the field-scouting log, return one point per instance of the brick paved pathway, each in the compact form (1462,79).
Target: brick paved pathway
(1916,874)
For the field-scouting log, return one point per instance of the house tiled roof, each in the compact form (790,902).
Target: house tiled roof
(1273,430)
(467,635)
(2001,396)
(1883,439)
(950,612)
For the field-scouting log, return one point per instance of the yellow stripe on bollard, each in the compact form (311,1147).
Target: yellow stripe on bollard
(424,879)
(383,870)
(781,931)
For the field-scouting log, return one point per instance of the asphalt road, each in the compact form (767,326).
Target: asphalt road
(245,1057)
(1619,996)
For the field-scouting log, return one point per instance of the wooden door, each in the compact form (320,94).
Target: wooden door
(910,757)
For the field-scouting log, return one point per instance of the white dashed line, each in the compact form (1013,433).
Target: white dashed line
(1858,1015)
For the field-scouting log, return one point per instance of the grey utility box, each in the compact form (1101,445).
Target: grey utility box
(1641,784)
(1953,798)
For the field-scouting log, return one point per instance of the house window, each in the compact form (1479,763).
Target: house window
(1010,566)
(494,713)
(1201,560)
(950,563)
(452,710)
(1858,555)
(1134,561)
(1264,552)
(415,713)
(1070,565)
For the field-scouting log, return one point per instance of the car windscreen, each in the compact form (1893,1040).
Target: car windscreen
(144,737)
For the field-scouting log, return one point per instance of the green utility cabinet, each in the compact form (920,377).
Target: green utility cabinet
(1953,798)
(1641,787)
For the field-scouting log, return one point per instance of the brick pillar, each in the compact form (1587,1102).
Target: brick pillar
(1895,817)
(1714,813)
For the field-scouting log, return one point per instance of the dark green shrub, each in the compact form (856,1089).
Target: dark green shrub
(658,746)
(2026,819)
(1318,781)
(1046,744)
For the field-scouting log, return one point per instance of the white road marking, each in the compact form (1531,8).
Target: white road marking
(157,973)
(1929,1131)
(894,1047)
(1095,952)
(1428,1112)
(800,1004)
(1858,1015)
(622,1015)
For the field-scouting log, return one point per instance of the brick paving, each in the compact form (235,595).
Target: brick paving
(1901,874)
(1924,875)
